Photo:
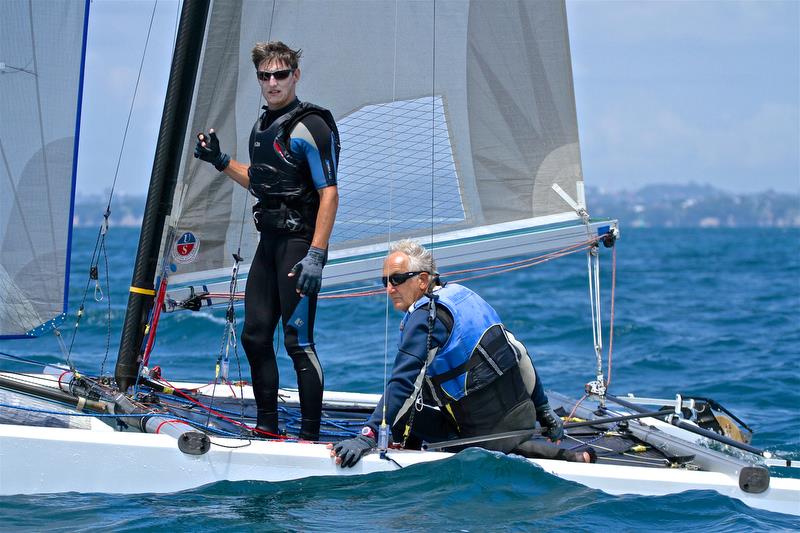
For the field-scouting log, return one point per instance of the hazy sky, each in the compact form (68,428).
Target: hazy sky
(666,91)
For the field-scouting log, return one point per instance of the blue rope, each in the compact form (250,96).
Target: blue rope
(586,442)
(23,359)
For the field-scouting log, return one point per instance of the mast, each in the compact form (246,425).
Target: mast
(174,119)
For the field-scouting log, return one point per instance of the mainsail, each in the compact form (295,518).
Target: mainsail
(457,119)
(42,48)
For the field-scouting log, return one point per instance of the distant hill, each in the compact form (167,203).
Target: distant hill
(694,205)
(126,210)
(689,205)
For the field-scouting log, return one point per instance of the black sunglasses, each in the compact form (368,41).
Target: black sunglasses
(399,279)
(265,75)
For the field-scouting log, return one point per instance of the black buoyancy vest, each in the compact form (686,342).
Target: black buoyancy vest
(287,199)
(475,376)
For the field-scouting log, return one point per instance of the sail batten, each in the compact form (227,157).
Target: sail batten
(454,115)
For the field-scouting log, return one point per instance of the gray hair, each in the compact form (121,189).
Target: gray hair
(418,257)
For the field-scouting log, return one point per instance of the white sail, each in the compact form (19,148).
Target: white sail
(41,52)
(457,119)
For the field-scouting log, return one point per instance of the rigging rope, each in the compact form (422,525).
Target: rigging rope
(575,408)
(433,124)
(216,413)
(21,359)
(228,341)
(345,427)
(383,430)
(597,386)
(100,247)
(611,318)
(418,404)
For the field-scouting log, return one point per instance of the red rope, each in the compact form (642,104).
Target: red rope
(373,292)
(558,253)
(64,373)
(220,415)
(240,295)
(572,413)
(169,422)
(162,292)
(236,296)
(495,269)
(530,262)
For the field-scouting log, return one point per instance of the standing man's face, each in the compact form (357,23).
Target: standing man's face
(278,93)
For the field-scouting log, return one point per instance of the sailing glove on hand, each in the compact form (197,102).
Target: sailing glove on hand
(552,426)
(351,450)
(310,270)
(211,152)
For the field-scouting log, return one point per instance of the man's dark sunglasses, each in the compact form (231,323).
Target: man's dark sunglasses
(265,75)
(399,279)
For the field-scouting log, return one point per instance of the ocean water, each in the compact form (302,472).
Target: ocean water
(707,312)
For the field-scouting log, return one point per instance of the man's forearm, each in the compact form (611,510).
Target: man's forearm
(328,204)
(238,172)
(538,396)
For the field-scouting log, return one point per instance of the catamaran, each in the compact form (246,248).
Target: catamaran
(470,102)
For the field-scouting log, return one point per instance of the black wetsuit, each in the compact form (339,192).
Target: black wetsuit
(270,294)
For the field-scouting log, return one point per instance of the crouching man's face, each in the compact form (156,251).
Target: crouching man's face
(403,286)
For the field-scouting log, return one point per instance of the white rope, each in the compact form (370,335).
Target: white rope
(387,300)
(593,266)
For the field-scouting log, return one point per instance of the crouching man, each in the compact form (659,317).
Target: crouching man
(458,372)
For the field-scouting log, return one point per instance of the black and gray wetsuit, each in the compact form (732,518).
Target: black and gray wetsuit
(293,154)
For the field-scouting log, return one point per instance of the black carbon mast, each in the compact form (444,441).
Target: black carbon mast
(174,120)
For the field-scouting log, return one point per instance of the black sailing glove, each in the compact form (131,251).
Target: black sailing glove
(310,270)
(211,152)
(351,450)
(552,426)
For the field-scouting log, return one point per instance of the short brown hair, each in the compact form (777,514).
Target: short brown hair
(275,51)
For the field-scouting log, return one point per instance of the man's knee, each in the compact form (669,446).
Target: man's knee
(294,344)
(300,353)
(255,339)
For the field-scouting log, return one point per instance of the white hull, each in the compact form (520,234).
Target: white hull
(36,460)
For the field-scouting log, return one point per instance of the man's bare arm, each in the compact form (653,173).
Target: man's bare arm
(238,172)
(328,204)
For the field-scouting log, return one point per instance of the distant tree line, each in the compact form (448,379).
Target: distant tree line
(695,205)
(689,205)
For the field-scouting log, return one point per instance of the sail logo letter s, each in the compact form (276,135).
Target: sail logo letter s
(186,248)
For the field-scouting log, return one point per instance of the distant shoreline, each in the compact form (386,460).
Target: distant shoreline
(660,205)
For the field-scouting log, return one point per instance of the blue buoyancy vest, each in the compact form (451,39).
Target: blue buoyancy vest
(287,199)
(476,353)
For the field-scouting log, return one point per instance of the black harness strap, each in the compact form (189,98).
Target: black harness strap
(428,342)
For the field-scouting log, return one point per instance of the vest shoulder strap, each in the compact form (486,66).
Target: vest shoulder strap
(303,110)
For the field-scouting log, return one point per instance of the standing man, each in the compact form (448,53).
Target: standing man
(458,372)
(294,150)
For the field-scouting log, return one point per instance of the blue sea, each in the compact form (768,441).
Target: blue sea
(706,312)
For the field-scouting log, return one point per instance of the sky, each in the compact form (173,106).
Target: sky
(666,91)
